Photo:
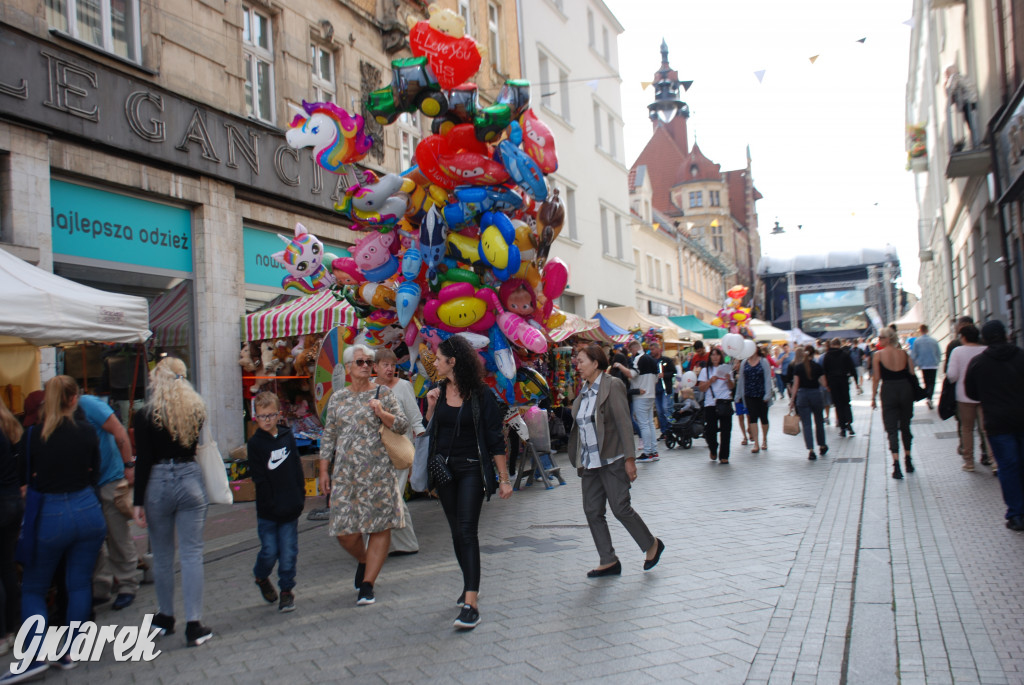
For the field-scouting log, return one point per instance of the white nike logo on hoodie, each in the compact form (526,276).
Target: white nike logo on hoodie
(277,458)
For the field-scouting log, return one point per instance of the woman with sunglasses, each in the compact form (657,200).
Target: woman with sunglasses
(464,429)
(356,471)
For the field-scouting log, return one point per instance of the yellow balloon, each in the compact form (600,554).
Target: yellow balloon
(555,320)
(494,247)
(462,312)
(465,247)
(716,321)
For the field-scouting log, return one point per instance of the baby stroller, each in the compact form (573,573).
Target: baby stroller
(687,424)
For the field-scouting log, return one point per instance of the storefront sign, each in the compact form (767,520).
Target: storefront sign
(96,224)
(1009,139)
(74,97)
(260,267)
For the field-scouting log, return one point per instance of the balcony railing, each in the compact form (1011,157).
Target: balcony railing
(968,154)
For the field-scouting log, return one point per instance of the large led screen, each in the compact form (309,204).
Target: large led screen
(833,310)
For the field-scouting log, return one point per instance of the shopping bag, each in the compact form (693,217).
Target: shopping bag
(791,424)
(215,476)
(947,400)
(418,478)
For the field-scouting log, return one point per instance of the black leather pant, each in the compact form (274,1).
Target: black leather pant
(462,500)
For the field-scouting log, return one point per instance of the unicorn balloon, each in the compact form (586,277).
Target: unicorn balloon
(303,258)
(337,137)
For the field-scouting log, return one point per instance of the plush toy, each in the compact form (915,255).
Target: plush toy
(245,359)
(306,359)
(269,365)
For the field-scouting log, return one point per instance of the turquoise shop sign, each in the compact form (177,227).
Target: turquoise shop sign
(97,224)
(260,267)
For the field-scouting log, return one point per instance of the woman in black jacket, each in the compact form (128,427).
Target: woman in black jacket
(465,431)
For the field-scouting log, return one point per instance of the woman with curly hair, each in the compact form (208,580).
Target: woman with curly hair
(170,493)
(465,431)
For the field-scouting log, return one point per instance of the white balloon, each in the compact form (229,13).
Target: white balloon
(748,349)
(689,379)
(732,344)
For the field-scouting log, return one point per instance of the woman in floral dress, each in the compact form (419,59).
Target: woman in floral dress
(363,489)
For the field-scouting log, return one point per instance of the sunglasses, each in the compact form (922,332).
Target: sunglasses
(267,417)
(362,362)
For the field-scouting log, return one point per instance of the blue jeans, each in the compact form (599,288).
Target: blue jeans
(643,414)
(780,384)
(810,402)
(176,498)
(71,525)
(663,405)
(1008,449)
(279,544)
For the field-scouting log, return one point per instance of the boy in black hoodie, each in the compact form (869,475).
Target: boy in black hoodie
(280,496)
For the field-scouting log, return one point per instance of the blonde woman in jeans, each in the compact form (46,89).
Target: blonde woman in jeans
(967,409)
(170,494)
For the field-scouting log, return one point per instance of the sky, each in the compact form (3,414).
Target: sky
(827,138)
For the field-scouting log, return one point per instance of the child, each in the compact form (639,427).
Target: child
(280,496)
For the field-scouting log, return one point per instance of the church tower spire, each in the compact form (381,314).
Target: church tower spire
(668,110)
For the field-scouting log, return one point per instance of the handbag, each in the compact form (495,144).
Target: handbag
(215,476)
(398,447)
(437,470)
(791,424)
(724,408)
(915,385)
(26,548)
(947,400)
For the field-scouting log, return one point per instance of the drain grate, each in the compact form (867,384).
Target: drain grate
(849,460)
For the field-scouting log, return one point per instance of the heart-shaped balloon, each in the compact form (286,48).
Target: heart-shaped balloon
(453,60)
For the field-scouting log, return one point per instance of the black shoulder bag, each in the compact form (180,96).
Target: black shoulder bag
(438,473)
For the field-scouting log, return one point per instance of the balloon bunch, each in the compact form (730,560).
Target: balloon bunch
(733,316)
(458,243)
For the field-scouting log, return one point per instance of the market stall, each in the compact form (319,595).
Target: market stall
(765,332)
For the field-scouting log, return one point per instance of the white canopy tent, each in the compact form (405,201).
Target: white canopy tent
(42,308)
(912,320)
(765,332)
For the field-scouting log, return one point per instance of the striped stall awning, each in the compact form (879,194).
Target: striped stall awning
(316,313)
(170,317)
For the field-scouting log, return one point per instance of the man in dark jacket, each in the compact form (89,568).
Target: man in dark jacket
(280,496)
(839,368)
(996,379)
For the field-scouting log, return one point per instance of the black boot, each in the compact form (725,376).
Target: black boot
(909,464)
(896,472)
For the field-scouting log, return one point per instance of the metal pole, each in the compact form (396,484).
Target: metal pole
(791,292)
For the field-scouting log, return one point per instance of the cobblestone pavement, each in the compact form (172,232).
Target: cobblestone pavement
(777,570)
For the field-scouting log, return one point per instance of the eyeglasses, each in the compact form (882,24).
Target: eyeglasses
(267,417)
(362,362)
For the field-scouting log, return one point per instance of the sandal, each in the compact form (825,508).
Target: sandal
(764,445)
(756,449)
(745,442)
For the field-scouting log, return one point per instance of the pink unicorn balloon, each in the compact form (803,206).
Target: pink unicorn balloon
(337,137)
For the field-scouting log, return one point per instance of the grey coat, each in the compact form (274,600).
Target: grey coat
(614,428)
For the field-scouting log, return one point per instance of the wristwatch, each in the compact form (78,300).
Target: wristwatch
(129,464)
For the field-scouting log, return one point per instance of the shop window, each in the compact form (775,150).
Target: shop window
(322,76)
(258,54)
(110,25)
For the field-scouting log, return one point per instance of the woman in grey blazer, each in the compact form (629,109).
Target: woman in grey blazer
(602,450)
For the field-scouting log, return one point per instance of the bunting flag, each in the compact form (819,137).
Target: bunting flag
(644,85)
(593,84)
(862,40)
(909,22)
(814,59)
(760,75)
(686,85)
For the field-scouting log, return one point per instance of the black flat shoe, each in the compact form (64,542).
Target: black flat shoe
(823,450)
(613,570)
(908,464)
(651,563)
(811,455)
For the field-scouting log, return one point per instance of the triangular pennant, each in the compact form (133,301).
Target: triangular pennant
(593,84)
(760,75)
(814,59)
(686,85)
(862,40)
(644,85)
(909,22)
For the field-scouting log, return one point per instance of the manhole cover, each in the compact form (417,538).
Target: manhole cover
(849,460)
(947,435)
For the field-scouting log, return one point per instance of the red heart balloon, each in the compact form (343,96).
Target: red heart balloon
(453,60)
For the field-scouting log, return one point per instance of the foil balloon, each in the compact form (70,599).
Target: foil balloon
(497,247)
(523,334)
(303,260)
(459,306)
(377,203)
(539,142)
(337,137)
(504,360)
(453,56)
(433,234)
(407,300)
(373,256)
(737,292)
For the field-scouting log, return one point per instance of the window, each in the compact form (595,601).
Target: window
(258,53)
(464,13)
(636,265)
(696,199)
(657,274)
(618,236)
(563,91)
(110,25)
(650,271)
(408,138)
(668,278)
(597,126)
(570,212)
(713,198)
(322,73)
(606,44)
(605,246)
(717,241)
(543,70)
(590,28)
(611,136)
(494,35)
